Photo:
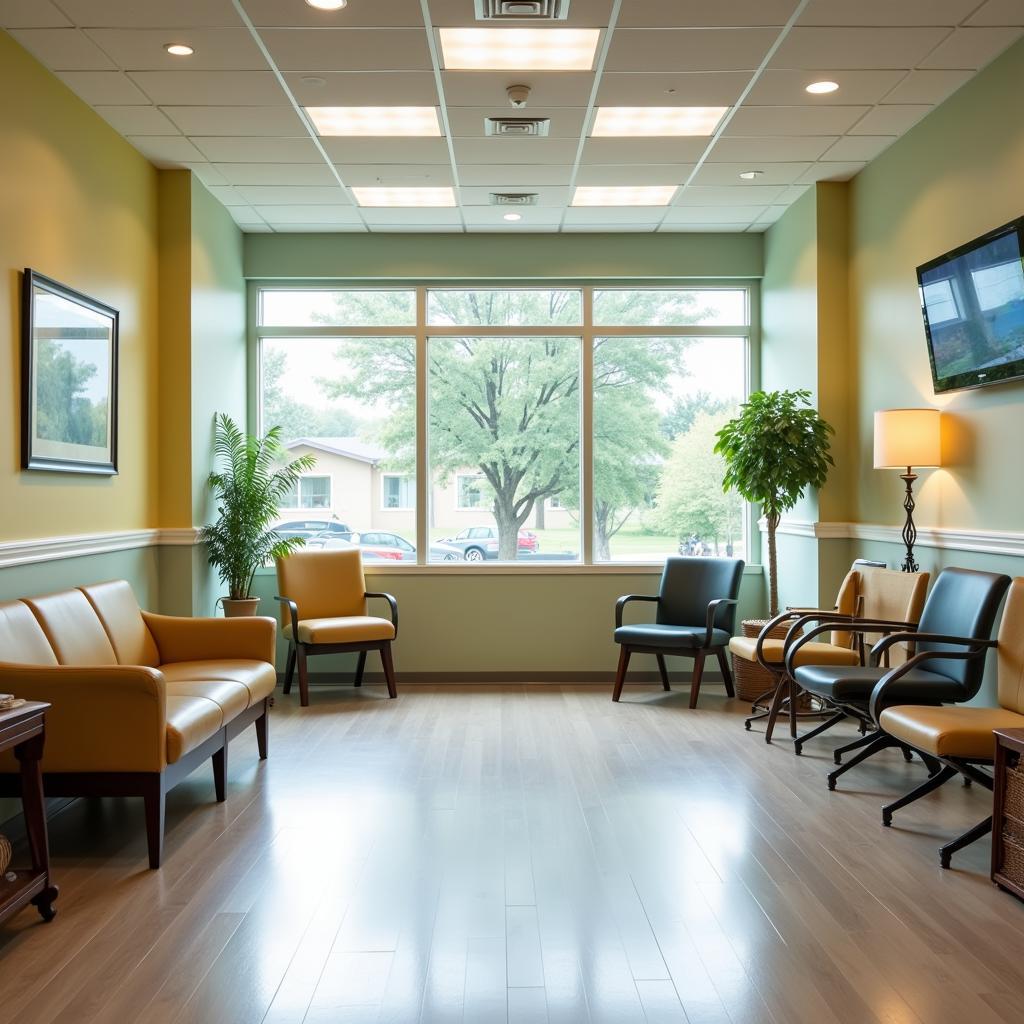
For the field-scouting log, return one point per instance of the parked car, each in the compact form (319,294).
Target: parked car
(528,541)
(370,554)
(480,542)
(310,528)
(381,539)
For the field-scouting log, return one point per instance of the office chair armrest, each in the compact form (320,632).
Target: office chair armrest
(392,604)
(978,648)
(913,636)
(293,609)
(713,606)
(625,599)
(849,624)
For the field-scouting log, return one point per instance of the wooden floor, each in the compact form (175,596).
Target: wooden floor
(525,854)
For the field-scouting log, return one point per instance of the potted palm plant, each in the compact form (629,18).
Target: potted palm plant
(252,479)
(774,450)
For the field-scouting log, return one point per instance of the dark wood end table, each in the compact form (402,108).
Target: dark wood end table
(24,731)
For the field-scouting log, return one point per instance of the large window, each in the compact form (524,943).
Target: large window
(505,380)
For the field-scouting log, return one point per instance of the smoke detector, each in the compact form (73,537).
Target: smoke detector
(517,127)
(518,95)
(521,10)
(513,199)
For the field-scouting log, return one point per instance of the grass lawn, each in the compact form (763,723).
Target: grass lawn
(627,545)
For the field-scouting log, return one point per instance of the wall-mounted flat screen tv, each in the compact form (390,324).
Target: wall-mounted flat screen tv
(973,304)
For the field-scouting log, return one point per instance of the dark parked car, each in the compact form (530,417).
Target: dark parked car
(310,528)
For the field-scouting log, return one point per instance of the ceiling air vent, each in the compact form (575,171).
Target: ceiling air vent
(517,127)
(522,10)
(513,199)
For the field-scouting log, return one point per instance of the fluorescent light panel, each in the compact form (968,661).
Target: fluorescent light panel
(656,121)
(375,121)
(623,195)
(407,197)
(519,49)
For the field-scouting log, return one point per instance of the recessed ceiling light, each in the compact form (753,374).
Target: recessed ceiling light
(513,216)
(313,81)
(327,5)
(819,88)
(408,197)
(654,121)
(179,49)
(379,121)
(519,49)
(750,175)
(623,195)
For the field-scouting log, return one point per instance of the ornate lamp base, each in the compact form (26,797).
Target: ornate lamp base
(909,530)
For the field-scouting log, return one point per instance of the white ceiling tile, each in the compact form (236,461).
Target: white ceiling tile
(999,12)
(321,228)
(356,49)
(231,198)
(582,13)
(152,13)
(30,14)
(364,88)
(416,229)
(386,151)
(468,122)
(257,228)
(971,47)
(333,214)
(712,214)
(802,120)
(772,214)
(245,215)
(695,229)
(671,89)
(398,174)
(887,12)
(378,216)
(274,174)
(526,176)
(208,174)
(704,13)
(792,194)
(109,87)
(701,49)
(856,48)
(166,151)
(292,195)
(738,195)
(928,86)
(478,88)
(494,215)
(137,120)
(786,88)
(633,174)
(480,195)
(729,174)
(831,171)
(609,215)
(217,49)
(392,14)
(519,228)
(199,88)
(269,122)
(761,150)
(859,147)
(258,151)
(633,151)
(606,228)
(63,49)
(891,119)
(515,151)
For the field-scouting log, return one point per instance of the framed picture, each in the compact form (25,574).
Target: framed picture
(68,380)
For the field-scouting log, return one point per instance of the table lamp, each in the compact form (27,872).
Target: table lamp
(905,438)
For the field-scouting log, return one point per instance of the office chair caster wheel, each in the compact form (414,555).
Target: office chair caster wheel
(837,758)
(831,784)
(746,725)
(887,818)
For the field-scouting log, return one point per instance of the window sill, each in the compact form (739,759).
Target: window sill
(486,569)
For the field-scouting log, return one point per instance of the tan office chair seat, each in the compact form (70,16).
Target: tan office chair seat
(809,654)
(352,629)
(950,731)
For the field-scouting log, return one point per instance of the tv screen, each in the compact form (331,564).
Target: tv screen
(973,304)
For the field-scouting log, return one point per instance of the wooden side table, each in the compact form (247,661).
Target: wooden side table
(1008,812)
(24,731)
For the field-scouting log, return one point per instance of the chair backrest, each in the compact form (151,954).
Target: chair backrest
(689,585)
(964,603)
(871,591)
(73,628)
(119,611)
(1011,650)
(324,584)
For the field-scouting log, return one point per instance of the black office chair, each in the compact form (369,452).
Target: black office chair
(695,615)
(952,639)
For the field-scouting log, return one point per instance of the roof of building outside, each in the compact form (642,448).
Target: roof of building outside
(350,447)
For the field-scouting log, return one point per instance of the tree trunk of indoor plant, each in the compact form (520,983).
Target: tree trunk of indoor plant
(773,572)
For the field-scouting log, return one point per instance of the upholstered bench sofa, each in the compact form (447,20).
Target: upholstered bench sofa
(139,700)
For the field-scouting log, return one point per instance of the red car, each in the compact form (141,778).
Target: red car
(528,540)
(371,552)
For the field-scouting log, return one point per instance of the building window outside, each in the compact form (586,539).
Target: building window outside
(468,492)
(399,491)
(311,492)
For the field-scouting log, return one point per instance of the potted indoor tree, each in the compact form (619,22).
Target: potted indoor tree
(775,449)
(252,479)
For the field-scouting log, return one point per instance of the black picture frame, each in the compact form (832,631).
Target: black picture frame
(69,367)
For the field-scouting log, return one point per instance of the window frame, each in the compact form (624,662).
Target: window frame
(384,506)
(586,564)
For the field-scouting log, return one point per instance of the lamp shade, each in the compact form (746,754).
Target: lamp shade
(907,437)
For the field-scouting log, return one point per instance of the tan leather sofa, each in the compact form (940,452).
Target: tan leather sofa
(139,700)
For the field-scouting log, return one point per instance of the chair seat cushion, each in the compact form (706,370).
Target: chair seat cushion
(258,678)
(854,684)
(810,654)
(190,721)
(352,629)
(950,732)
(655,634)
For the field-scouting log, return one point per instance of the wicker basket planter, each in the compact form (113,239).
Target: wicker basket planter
(750,678)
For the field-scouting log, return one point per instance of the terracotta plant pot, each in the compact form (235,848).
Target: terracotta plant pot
(240,606)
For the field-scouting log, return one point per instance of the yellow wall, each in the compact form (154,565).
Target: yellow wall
(78,204)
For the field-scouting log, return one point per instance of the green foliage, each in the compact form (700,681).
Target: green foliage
(297,418)
(63,412)
(685,410)
(252,479)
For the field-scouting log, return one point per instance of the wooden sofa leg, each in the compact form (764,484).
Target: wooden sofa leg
(360,668)
(698,671)
(620,674)
(303,676)
(389,669)
(154,796)
(289,670)
(663,669)
(220,772)
(261,732)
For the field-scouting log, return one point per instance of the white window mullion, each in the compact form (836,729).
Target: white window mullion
(587,428)
(422,440)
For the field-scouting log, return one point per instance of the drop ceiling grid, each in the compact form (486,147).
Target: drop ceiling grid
(234,115)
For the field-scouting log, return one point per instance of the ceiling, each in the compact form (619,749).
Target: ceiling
(231,111)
